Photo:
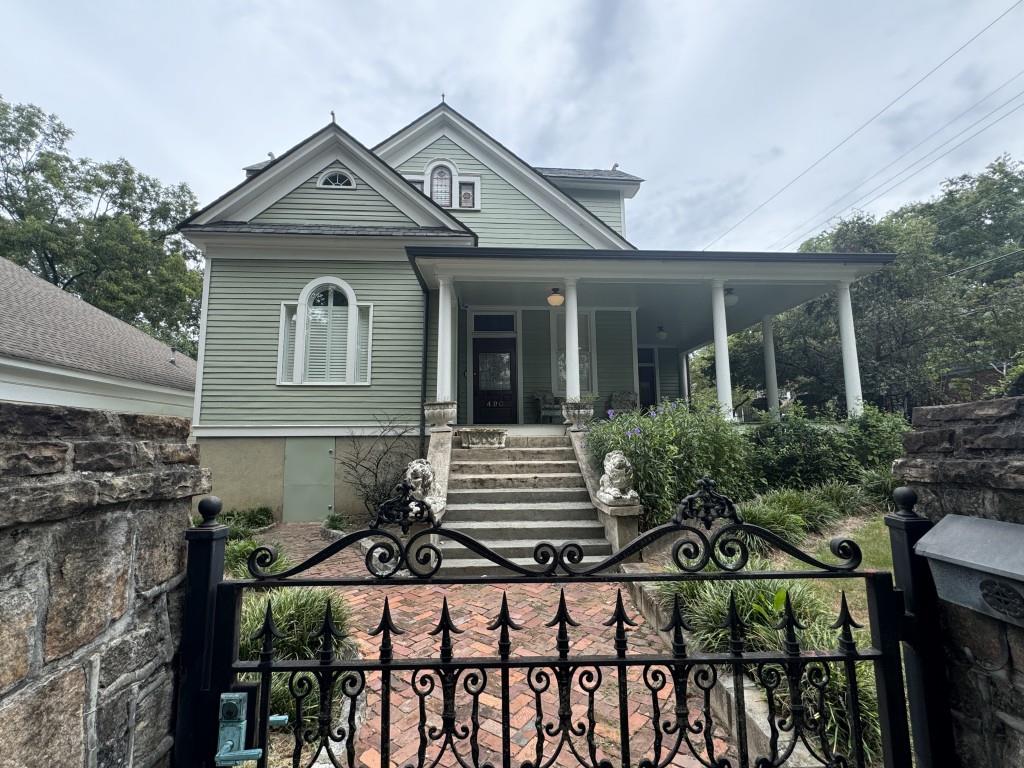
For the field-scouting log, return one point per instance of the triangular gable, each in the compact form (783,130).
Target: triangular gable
(309,203)
(308,158)
(442,120)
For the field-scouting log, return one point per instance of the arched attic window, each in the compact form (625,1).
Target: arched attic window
(336,179)
(325,336)
(441,186)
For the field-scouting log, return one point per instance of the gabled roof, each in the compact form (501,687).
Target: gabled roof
(283,174)
(443,120)
(602,174)
(44,324)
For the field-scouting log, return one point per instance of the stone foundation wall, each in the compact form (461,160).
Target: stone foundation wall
(968,459)
(93,506)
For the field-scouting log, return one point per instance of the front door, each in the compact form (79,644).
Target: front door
(494,381)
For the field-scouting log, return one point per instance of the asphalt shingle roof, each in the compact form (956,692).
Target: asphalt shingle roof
(41,323)
(604,174)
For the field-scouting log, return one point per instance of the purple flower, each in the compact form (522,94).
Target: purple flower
(611,413)
(634,432)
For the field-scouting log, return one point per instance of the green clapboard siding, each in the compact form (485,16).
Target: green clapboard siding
(614,355)
(536,362)
(668,374)
(506,216)
(603,203)
(243,317)
(310,204)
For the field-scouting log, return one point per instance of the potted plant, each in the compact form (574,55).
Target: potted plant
(578,411)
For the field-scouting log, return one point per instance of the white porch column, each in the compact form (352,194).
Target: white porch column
(771,379)
(572,341)
(723,378)
(684,375)
(444,340)
(848,341)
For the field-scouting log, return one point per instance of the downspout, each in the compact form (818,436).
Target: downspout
(423,372)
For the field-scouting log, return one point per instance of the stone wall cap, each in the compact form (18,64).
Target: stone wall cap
(989,546)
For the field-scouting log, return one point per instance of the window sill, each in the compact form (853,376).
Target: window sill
(321,384)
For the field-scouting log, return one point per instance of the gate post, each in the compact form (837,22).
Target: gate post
(196,722)
(930,720)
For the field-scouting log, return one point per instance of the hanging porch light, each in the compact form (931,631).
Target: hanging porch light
(555,298)
(731,299)
(662,334)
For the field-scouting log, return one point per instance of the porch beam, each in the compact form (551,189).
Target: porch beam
(572,341)
(723,377)
(848,342)
(771,379)
(444,340)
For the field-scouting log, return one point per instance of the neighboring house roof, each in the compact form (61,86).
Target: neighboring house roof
(44,324)
(245,227)
(443,118)
(587,173)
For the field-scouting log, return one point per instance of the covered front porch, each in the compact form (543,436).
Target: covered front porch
(513,333)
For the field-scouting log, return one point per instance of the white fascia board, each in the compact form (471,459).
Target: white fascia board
(260,245)
(271,185)
(628,270)
(294,430)
(569,183)
(30,382)
(537,188)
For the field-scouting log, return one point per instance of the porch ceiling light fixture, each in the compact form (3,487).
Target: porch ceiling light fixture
(662,334)
(555,298)
(731,299)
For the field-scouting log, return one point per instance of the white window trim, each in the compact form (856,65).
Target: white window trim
(352,338)
(457,179)
(328,171)
(282,381)
(558,315)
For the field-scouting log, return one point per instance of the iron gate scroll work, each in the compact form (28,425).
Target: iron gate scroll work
(450,689)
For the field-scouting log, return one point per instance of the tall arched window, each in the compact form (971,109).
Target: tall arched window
(441,186)
(325,336)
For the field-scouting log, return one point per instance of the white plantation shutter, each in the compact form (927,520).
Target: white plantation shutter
(337,342)
(328,349)
(317,335)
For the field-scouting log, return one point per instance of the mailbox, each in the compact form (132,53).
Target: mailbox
(978,564)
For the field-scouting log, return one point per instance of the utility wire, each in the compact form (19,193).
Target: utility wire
(860,200)
(866,179)
(984,262)
(863,125)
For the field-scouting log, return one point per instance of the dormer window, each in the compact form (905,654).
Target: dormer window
(442,183)
(336,180)
(441,186)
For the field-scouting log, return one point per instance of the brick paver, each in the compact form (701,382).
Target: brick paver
(416,609)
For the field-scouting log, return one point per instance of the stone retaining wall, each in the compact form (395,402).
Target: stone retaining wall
(968,459)
(93,506)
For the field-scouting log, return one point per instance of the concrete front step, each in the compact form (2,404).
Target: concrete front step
(516,482)
(513,454)
(514,467)
(518,512)
(520,548)
(480,567)
(458,496)
(496,531)
(538,441)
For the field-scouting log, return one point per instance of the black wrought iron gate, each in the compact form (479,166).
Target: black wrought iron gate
(460,694)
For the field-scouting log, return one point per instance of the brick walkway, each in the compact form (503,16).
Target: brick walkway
(416,609)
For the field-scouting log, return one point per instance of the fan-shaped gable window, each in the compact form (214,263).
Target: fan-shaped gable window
(325,336)
(334,179)
(441,186)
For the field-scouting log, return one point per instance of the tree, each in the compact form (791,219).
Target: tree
(101,230)
(945,310)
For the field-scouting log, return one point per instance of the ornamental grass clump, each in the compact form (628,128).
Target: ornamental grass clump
(671,447)
(236,558)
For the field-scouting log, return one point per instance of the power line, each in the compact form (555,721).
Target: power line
(921,159)
(984,262)
(864,125)
(891,163)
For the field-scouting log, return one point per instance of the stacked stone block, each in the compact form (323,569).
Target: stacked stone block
(93,506)
(968,459)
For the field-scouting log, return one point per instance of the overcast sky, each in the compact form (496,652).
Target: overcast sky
(716,104)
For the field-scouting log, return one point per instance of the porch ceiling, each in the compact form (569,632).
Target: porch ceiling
(684,309)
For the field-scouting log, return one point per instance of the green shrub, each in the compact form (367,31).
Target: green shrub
(877,485)
(236,558)
(671,447)
(797,452)
(242,522)
(336,521)
(298,615)
(845,499)
(876,437)
(705,606)
(777,518)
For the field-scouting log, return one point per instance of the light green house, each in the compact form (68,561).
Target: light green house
(345,285)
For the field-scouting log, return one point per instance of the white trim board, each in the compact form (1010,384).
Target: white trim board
(201,357)
(296,430)
(29,382)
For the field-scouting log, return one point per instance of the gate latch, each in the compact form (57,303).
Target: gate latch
(232,727)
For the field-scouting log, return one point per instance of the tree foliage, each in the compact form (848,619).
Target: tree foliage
(945,312)
(101,230)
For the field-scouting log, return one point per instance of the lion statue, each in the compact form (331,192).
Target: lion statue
(617,481)
(419,476)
